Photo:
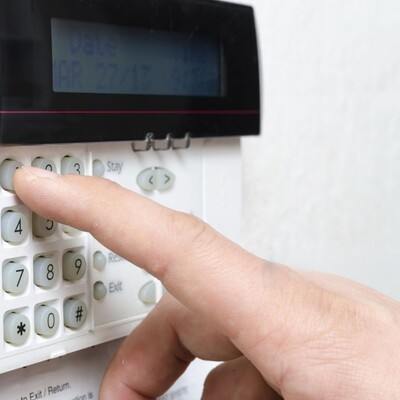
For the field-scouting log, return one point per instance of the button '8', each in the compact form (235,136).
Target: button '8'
(45,272)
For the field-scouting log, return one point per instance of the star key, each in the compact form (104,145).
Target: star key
(16,328)
(21,329)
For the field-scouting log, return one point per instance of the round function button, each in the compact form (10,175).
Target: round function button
(42,227)
(98,168)
(14,227)
(45,272)
(47,321)
(74,266)
(99,260)
(99,290)
(7,170)
(16,328)
(15,278)
(155,179)
(72,166)
(148,293)
(75,313)
(44,163)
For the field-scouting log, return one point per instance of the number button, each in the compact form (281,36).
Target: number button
(7,170)
(16,328)
(74,266)
(42,227)
(70,231)
(47,321)
(44,163)
(14,227)
(45,272)
(75,313)
(72,165)
(15,278)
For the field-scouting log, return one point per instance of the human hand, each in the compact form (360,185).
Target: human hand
(282,333)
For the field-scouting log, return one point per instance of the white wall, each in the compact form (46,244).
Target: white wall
(322,183)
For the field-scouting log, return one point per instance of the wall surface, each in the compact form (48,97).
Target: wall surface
(322,183)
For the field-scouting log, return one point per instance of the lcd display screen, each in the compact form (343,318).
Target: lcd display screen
(114,59)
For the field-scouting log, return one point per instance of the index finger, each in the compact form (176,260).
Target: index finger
(203,270)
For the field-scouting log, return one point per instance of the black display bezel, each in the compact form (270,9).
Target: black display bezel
(31,112)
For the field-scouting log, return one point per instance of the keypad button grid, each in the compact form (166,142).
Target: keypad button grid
(111,311)
(31,313)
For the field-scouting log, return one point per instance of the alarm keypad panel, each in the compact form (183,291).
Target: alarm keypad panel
(61,290)
(158,108)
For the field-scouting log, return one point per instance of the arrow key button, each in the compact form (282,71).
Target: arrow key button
(156,178)
(147,179)
(165,179)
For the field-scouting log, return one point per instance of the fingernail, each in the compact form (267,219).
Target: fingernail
(38,173)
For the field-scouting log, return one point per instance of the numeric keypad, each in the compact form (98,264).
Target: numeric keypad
(44,287)
(59,288)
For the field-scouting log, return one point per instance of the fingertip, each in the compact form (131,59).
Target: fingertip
(35,173)
(24,177)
